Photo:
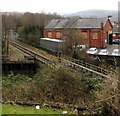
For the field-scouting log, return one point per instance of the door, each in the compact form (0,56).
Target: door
(110,39)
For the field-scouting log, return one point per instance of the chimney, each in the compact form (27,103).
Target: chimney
(102,24)
(109,16)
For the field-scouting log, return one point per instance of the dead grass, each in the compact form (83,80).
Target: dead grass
(15,54)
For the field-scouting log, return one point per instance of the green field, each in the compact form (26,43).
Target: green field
(16,109)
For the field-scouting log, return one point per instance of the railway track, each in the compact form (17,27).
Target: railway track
(68,61)
(39,57)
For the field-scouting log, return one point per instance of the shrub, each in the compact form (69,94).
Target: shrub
(19,88)
(64,84)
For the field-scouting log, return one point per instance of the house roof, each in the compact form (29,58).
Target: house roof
(76,23)
(52,23)
(116,28)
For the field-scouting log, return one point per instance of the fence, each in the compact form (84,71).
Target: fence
(87,66)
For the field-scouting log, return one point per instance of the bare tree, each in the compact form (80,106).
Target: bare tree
(73,39)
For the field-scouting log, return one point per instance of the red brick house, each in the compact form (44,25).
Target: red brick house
(95,30)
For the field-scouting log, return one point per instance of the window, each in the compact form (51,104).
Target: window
(84,35)
(84,31)
(58,35)
(50,34)
(94,35)
(95,31)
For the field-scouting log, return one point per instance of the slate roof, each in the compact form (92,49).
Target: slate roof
(76,23)
(52,23)
(116,28)
(61,23)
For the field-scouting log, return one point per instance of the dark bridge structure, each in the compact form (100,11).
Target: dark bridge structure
(18,67)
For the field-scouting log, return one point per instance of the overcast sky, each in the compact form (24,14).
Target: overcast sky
(59,6)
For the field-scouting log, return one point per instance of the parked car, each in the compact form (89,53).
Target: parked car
(116,41)
(103,52)
(92,51)
(116,52)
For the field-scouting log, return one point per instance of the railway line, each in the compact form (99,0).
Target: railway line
(27,51)
(68,61)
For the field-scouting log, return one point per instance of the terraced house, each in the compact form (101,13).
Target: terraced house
(97,32)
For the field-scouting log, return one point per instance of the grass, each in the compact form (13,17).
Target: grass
(16,53)
(0,108)
(16,109)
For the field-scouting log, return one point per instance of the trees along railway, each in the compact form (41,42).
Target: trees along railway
(77,64)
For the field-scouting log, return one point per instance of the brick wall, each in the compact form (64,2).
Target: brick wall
(92,37)
(106,29)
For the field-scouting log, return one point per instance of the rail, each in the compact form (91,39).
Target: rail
(89,66)
(39,57)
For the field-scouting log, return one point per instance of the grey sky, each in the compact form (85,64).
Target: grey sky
(59,6)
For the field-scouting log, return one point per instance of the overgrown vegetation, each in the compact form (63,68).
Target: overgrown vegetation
(62,85)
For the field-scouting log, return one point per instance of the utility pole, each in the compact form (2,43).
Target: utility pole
(7,50)
(6,40)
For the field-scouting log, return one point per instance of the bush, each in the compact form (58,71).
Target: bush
(92,84)
(11,79)
(60,84)
(57,83)
(19,88)
(64,84)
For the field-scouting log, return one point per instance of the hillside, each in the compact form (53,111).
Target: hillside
(95,13)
